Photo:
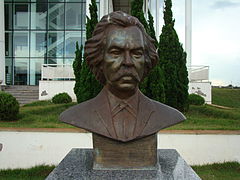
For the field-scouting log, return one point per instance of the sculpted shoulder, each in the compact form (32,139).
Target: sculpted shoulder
(172,114)
(78,114)
(162,117)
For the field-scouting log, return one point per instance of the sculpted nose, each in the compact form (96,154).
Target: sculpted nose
(127,61)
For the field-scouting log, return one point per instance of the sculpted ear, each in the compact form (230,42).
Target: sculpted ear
(147,66)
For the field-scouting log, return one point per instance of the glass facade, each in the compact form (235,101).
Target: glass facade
(41,32)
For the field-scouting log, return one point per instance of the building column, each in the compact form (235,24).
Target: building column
(2,43)
(188,31)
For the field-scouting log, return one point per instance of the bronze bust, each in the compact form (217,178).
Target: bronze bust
(120,54)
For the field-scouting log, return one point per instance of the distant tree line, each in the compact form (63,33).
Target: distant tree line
(166,83)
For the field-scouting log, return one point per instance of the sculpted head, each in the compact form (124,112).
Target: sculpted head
(120,52)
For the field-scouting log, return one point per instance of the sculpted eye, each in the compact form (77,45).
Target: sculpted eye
(115,52)
(137,53)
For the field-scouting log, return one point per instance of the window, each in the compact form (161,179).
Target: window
(56,16)
(70,42)
(55,44)
(21,67)
(38,32)
(21,16)
(38,44)
(20,44)
(39,15)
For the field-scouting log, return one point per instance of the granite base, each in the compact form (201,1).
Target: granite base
(78,165)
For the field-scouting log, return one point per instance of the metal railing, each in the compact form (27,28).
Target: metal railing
(198,73)
(57,72)
(65,72)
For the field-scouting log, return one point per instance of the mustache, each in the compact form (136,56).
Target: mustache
(123,71)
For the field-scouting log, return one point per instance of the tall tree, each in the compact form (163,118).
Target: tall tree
(137,11)
(93,20)
(152,85)
(77,65)
(89,87)
(173,63)
(151,28)
(155,80)
(182,85)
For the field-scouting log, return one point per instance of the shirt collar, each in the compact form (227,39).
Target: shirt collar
(132,101)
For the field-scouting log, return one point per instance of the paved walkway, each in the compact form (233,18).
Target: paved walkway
(221,107)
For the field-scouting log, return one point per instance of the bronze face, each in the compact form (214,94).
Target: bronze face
(123,63)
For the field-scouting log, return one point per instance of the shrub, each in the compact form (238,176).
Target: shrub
(195,99)
(61,98)
(9,107)
(38,103)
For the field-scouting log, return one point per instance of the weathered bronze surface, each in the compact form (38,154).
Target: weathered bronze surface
(121,54)
(136,154)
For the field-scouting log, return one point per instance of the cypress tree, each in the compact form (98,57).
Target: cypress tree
(93,20)
(89,87)
(151,28)
(155,87)
(173,63)
(77,65)
(152,85)
(183,104)
(137,11)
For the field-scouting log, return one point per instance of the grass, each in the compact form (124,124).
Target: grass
(210,118)
(216,171)
(226,97)
(38,103)
(35,173)
(44,114)
(40,114)
(213,118)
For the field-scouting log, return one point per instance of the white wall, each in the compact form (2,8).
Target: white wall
(27,149)
(201,88)
(2,43)
(47,89)
(203,149)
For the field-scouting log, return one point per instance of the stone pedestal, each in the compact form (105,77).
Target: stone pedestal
(110,154)
(78,164)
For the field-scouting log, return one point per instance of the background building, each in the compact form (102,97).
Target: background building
(38,38)
(40,32)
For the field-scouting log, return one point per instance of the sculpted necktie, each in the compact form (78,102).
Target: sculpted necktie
(124,119)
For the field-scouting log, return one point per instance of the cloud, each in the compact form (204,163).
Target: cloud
(224,4)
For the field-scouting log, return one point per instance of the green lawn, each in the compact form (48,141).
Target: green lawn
(217,171)
(226,97)
(41,114)
(210,118)
(35,173)
(44,114)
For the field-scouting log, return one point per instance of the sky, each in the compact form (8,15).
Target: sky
(215,37)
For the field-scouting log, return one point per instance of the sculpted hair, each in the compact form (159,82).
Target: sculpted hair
(94,50)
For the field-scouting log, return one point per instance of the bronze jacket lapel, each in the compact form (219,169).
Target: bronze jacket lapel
(103,113)
(145,110)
